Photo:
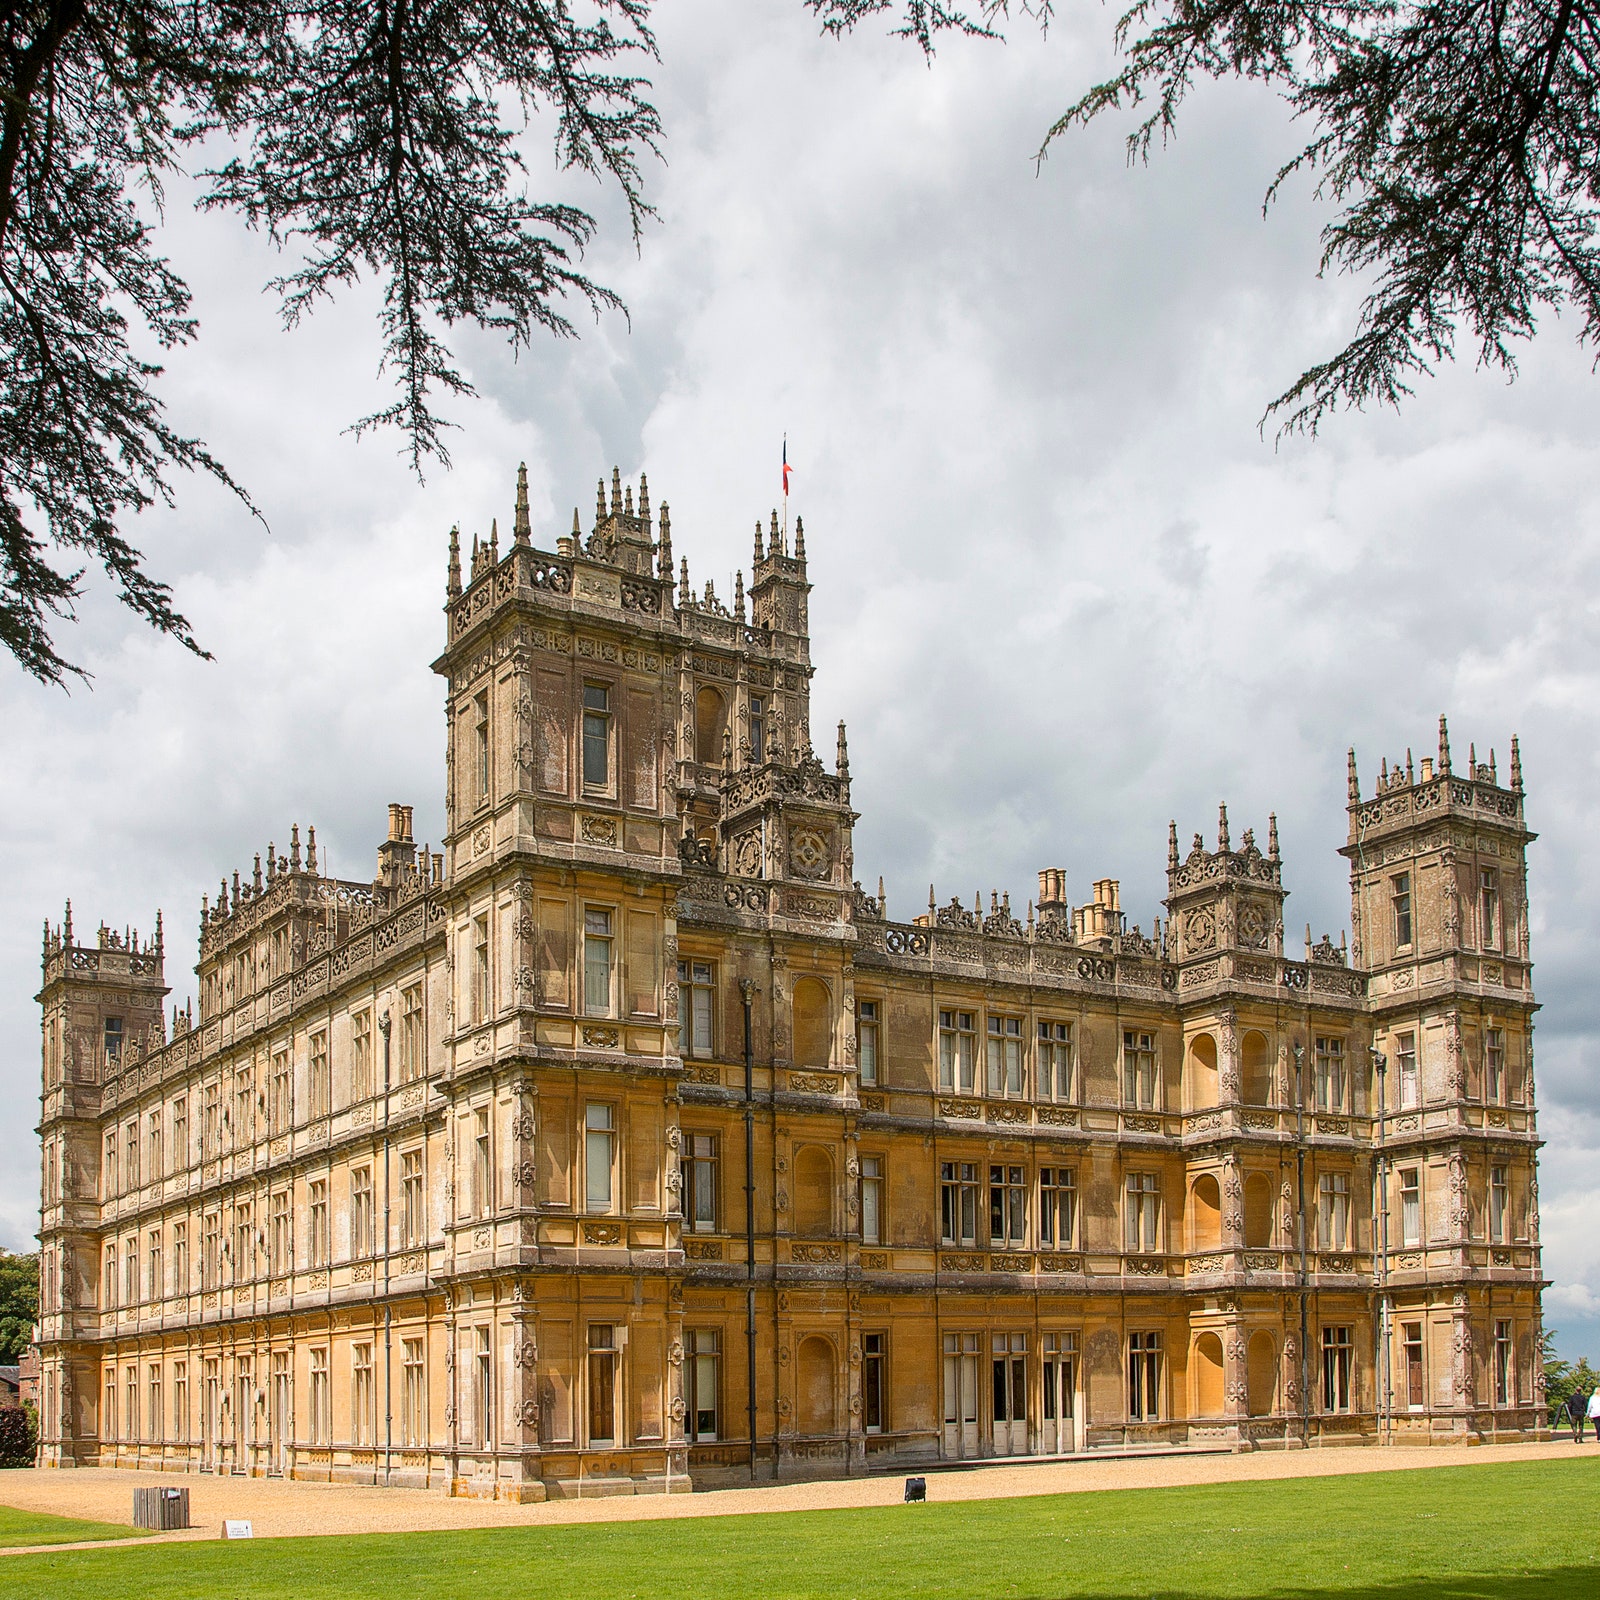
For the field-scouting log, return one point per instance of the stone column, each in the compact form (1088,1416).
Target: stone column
(524,1397)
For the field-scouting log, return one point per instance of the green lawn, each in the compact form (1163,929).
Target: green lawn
(33,1527)
(1455,1533)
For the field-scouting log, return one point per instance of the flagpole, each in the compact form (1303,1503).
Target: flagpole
(786,494)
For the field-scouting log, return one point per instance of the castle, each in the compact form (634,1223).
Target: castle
(628,1144)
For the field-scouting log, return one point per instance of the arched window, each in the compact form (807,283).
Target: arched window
(1208,1376)
(1258,1212)
(1202,1072)
(710,718)
(813,1191)
(813,1023)
(1257,1070)
(817,1386)
(1205,1214)
(1263,1374)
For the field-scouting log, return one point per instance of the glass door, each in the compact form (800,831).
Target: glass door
(1009,1381)
(960,1395)
(1058,1420)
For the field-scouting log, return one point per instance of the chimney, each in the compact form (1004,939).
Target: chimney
(397,853)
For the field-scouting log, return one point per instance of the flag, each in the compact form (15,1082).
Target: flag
(787,469)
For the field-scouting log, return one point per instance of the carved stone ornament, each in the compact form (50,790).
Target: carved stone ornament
(810,852)
(1199,930)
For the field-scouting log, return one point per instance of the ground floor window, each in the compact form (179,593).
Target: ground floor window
(413,1393)
(1504,1378)
(362,1409)
(701,1370)
(1411,1348)
(1144,1377)
(1336,1369)
(320,1422)
(874,1380)
(602,1383)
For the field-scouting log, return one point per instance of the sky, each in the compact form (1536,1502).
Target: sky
(1066,587)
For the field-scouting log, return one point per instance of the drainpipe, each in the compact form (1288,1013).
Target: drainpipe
(1300,1235)
(388,1352)
(1385,1303)
(747,990)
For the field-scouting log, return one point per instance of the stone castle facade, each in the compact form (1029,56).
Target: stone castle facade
(627,1143)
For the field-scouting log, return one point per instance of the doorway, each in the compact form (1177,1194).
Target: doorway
(960,1395)
(1009,1375)
(1058,1422)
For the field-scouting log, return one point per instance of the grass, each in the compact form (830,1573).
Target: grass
(19,1528)
(1492,1532)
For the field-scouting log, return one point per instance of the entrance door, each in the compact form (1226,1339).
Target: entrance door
(1058,1358)
(1009,1381)
(961,1394)
(281,1413)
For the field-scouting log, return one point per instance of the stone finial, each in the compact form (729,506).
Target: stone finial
(666,542)
(1272,836)
(599,502)
(294,847)
(1444,747)
(522,532)
(255,877)
(1172,845)
(616,491)
(644,500)
(842,759)
(1493,776)
(494,542)
(738,596)
(233,902)
(1472,760)
(883,901)
(1352,783)
(272,863)
(311,849)
(452,582)
(760,553)
(1410,774)
(799,539)
(1222,828)
(775,538)
(685,593)
(66,926)
(1516,765)
(627,502)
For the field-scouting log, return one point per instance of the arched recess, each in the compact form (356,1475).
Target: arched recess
(813,1023)
(813,1191)
(1257,1065)
(1202,1072)
(1263,1374)
(1208,1376)
(1205,1214)
(1258,1212)
(817,1385)
(710,718)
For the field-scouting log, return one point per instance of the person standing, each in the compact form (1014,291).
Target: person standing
(1593,1413)
(1574,1408)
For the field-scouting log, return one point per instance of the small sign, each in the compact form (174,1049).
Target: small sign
(237,1530)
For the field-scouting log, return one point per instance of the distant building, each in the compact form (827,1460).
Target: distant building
(448,1182)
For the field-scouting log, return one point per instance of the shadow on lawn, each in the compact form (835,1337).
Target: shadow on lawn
(1537,1583)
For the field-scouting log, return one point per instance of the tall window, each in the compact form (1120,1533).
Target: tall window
(599,1148)
(1056,1061)
(1142,1213)
(361,1214)
(130,1155)
(280,1092)
(153,1145)
(596,736)
(413,1393)
(701,1372)
(180,1133)
(696,982)
(867,1040)
(480,748)
(319,1086)
(108,1280)
(244,1243)
(130,1421)
(108,1168)
(480,969)
(1499,1204)
(361,1055)
(1405,1049)
(108,1411)
(153,1285)
(758,729)
(1144,1377)
(180,1401)
(1411,1349)
(874,1381)
(602,1383)
(1504,1387)
(597,961)
(1005,1055)
(362,1395)
(872,1199)
(130,1271)
(700,1171)
(180,1258)
(413,1222)
(1489,908)
(1494,1066)
(1336,1369)
(483,1386)
(1058,1207)
(317,1217)
(411,1042)
(482,1165)
(1331,1083)
(1411,1206)
(1333,1210)
(113,1037)
(244,1108)
(1400,900)
(319,1408)
(1139,1070)
(1008,1206)
(282,1240)
(958,1048)
(210,1249)
(958,1202)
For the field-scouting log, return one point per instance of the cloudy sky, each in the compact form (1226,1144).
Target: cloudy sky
(1065,589)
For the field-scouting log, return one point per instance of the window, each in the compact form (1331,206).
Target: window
(318,1219)
(1056,1061)
(867,1040)
(480,969)
(1139,1070)
(598,1145)
(180,1134)
(108,1280)
(411,1052)
(319,1088)
(1488,908)
(280,1093)
(958,1202)
(1499,1204)
(482,1166)
(700,1371)
(758,729)
(210,1249)
(1400,899)
(1333,1210)
(361,1213)
(130,1420)
(244,1244)
(130,1272)
(153,1288)
(320,1423)
(1143,1213)
(596,738)
(1494,1066)
(153,1145)
(1144,1377)
(1058,1207)
(244,1108)
(180,1401)
(695,984)
(1405,1049)
(361,1055)
(483,1386)
(596,962)
(1336,1369)
(1005,1055)
(1504,1388)
(413,1223)
(480,747)
(602,1382)
(108,1412)
(1009,1372)
(872,1199)
(363,1420)
(700,1171)
(874,1380)
(113,1036)
(1330,1075)
(1008,1206)
(1411,1349)
(108,1168)
(180,1257)
(958,1047)
(1411,1206)
(413,1394)
(130,1156)
(281,1244)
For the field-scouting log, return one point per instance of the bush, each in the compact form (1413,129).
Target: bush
(18,1436)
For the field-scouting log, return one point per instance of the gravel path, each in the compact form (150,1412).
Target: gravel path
(277,1509)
